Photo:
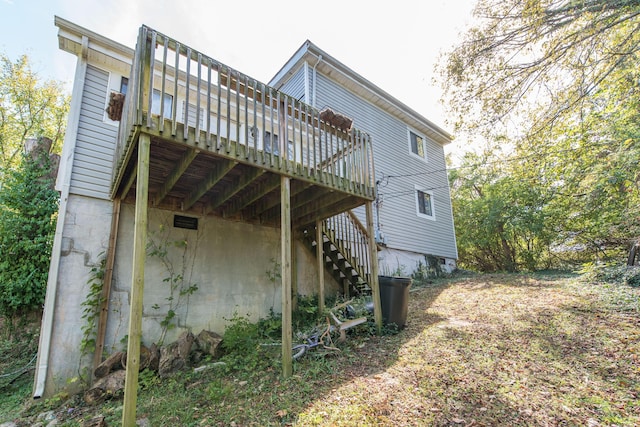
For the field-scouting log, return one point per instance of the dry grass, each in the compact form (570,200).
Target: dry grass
(497,350)
(510,350)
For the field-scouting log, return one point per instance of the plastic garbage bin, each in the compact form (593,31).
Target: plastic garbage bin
(394,299)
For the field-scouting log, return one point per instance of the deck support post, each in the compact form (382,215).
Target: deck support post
(137,283)
(320,258)
(373,256)
(285,238)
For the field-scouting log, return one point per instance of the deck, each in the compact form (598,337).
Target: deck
(198,137)
(221,141)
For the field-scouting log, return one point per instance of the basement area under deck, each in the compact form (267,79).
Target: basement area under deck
(201,138)
(220,142)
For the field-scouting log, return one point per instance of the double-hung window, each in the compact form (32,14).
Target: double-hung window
(417,145)
(424,204)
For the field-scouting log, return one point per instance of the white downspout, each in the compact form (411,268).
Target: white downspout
(62,185)
(313,100)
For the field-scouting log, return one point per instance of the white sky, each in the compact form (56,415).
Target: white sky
(393,44)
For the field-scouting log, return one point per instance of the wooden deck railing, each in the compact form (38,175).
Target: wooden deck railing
(350,237)
(177,93)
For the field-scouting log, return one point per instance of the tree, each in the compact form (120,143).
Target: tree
(557,82)
(29,108)
(28,204)
(533,62)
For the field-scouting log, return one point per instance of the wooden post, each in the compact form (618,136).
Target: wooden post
(106,286)
(373,251)
(320,258)
(137,283)
(285,238)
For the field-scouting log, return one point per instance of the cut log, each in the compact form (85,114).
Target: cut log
(145,357)
(97,421)
(209,343)
(175,356)
(105,388)
(108,365)
(154,357)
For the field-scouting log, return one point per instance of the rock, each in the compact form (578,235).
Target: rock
(105,388)
(175,356)
(209,342)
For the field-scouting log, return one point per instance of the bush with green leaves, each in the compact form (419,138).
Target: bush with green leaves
(28,208)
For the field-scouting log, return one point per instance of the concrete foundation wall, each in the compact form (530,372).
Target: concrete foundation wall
(403,263)
(235,267)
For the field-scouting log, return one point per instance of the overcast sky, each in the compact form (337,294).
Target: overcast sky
(393,44)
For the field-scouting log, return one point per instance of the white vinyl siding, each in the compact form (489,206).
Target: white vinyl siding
(295,86)
(402,227)
(93,161)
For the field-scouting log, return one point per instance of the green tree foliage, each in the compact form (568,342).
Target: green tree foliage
(501,219)
(555,85)
(537,59)
(29,108)
(28,204)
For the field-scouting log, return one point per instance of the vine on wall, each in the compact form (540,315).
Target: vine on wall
(178,258)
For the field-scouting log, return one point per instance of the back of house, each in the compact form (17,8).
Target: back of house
(230,160)
(414,221)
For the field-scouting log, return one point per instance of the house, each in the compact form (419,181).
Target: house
(413,218)
(191,193)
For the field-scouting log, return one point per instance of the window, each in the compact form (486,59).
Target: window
(167,101)
(271,144)
(124,84)
(155,102)
(424,203)
(417,144)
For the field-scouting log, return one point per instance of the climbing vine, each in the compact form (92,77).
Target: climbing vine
(178,275)
(91,307)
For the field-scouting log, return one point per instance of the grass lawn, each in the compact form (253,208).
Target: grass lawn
(513,350)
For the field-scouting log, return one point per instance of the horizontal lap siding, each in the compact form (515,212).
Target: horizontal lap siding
(294,87)
(93,161)
(402,227)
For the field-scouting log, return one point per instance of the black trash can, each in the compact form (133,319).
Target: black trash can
(394,299)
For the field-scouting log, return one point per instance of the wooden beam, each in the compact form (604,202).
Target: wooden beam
(232,189)
(294,276)
(137,283)
(176,173)
(271,202)
(215,175)
(129,183)
(106,284)
(285,240)
(373,250)
(320,258)
(263,189)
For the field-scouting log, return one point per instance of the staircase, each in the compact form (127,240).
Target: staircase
(346,252)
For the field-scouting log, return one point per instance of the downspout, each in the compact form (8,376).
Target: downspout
(313,99)
(63,184)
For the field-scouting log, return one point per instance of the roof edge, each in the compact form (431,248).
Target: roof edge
(437,132)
